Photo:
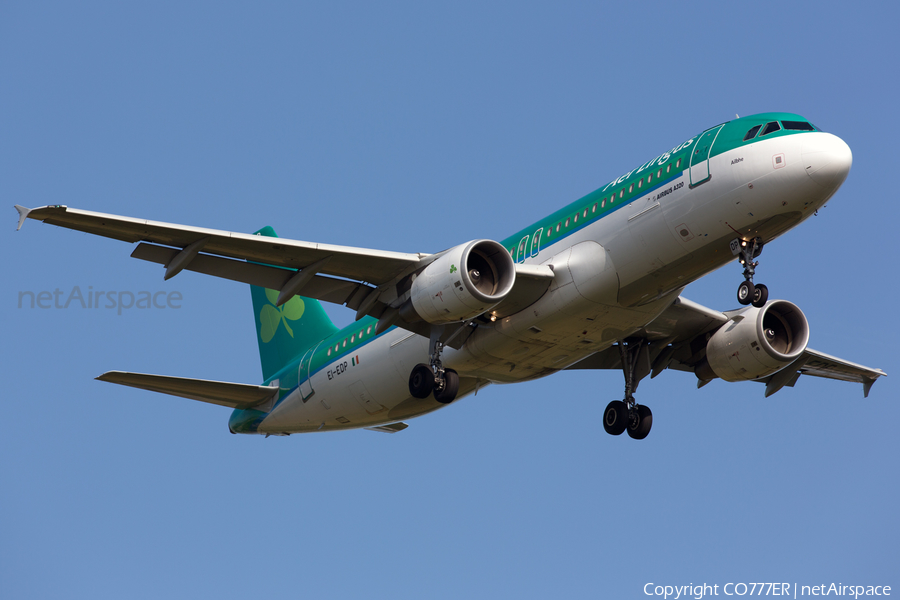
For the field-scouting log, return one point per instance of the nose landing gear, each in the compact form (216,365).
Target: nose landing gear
(628,415)
(747,292)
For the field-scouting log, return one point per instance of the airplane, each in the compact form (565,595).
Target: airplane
(595,285)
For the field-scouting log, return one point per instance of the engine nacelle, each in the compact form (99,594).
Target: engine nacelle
(463,283)
(758,342)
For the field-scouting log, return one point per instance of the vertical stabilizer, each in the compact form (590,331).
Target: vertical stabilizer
(285,332)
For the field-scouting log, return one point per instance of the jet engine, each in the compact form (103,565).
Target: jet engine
(757,342)
(462,283)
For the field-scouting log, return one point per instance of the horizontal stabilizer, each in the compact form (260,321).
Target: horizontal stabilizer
(233,395)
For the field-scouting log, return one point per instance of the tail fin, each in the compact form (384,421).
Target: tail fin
(285,332)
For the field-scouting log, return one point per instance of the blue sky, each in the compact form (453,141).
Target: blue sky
(415,127)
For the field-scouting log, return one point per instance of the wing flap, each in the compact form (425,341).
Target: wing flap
(353,263)
(819,364)
(233,395)
(328,289)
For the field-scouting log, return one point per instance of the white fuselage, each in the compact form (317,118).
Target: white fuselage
(612,278)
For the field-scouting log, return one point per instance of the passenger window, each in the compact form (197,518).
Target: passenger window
(770,128)
(576,217)
(622,193)
(567,222)
(557,227)
(641,183)
(337,347)
(752,133)
(797,126)
(345,342)
(603,203)
(593,210)
(677,163)
(353,338)
(669,168)
(585,213)
(649,178)
(329,352)
(368,330)
(630,188)
(659,174)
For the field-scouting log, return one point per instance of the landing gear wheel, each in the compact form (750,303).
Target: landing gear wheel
(615,417)
(421,381)
(641,422)
(760,295)
(447,394)
(746,292)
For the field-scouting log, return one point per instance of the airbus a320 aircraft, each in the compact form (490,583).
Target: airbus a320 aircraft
(595,285)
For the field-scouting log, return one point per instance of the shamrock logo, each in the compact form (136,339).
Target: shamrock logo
(453,268)
(271,316)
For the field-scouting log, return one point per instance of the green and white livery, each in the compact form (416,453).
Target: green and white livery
(594,285)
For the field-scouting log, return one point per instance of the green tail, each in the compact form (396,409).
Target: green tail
(285,332)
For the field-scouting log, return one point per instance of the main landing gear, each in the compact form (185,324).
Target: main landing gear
(628,415)
(747,292)
(425,379)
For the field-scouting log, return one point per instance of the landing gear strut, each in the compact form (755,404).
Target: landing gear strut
(627,414)
(433,377)
(747,292)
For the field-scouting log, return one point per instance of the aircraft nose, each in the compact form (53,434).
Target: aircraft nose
(827,159)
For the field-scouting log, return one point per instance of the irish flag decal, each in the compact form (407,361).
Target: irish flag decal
(355,360)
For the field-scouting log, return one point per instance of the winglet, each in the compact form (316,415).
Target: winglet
(867,385)
(23,214)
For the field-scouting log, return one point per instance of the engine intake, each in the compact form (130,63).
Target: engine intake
(758,342)
(461,284)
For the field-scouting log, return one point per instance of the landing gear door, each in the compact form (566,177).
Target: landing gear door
(699,170)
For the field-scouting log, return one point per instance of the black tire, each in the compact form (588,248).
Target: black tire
(745,292)
(451,387)
(615,417)
(421,381)
(760,295)
(640,426)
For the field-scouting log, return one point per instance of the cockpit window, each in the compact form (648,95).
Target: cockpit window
(752,133)
(770,128)
(798,125)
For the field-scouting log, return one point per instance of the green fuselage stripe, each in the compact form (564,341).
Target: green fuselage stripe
(729,138)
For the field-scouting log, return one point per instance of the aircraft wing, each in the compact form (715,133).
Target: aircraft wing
(672,342)
(362,279)
(352,263)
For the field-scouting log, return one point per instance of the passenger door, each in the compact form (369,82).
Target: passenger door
(699,167)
